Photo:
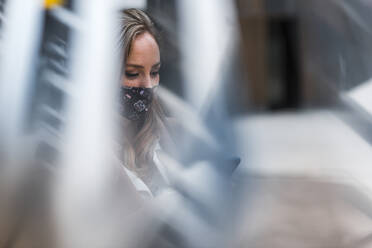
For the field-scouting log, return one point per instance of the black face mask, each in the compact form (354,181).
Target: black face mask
(135,102)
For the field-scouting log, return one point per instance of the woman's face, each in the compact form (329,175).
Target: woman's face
(143,63)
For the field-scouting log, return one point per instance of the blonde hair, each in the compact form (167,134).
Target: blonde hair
(140,137)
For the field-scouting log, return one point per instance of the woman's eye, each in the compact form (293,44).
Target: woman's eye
(155,73)
(131,75)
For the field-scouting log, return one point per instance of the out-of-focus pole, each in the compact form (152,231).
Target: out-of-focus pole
(81,209)
(208,37)
(85,216)
(20,43)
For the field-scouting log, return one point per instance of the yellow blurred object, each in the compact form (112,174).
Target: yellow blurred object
(53,3)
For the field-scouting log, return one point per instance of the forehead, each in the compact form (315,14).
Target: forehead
(144,48)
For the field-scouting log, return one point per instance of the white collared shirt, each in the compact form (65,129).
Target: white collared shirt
(138,183)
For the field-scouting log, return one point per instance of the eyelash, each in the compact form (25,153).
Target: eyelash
(155,73)
(131,75)
(134,75)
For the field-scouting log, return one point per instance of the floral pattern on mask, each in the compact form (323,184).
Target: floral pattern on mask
(135,102)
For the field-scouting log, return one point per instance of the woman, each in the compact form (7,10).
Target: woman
(143,117)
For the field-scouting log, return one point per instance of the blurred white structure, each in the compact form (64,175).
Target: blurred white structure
(19,50)
(208,35)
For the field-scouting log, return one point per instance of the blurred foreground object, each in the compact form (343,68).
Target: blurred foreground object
(53,3)
(58,168)
(304,179)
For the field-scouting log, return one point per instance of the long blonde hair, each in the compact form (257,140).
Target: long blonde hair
(140,137)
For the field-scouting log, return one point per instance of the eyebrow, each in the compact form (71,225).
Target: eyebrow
(140,66)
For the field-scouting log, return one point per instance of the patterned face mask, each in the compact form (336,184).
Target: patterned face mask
(135,102)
